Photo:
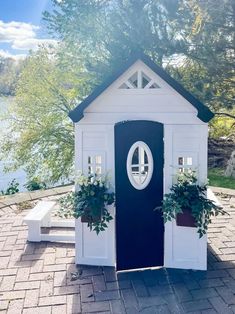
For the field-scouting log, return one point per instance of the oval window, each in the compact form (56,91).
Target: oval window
(139,165)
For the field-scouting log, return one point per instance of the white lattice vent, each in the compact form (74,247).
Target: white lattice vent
(139,80)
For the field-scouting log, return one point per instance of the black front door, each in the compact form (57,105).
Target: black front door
(139,189)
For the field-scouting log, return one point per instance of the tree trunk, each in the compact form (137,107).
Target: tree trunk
(230,170)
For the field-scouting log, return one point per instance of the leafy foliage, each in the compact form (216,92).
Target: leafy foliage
(222,126)
(13,188)
(106,32)
(198,34)
(42,135)
(187,194)
(35,184)
(209,48)
(90,201)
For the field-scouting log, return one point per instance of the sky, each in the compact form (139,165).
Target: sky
(21,26)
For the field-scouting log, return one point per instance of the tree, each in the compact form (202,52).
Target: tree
(222,126)
(209,37)
(42,137)
(107,32)
(9,73)
(199,32)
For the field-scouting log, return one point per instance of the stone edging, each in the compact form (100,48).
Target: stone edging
(9,200)
(219,190)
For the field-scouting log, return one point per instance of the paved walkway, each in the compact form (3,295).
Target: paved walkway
(42,278)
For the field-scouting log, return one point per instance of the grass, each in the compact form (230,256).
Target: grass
(216,178)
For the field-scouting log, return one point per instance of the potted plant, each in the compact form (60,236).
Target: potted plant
(188,204)
(89,202)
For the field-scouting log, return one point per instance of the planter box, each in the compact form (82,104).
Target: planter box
(185,219)
(88,218)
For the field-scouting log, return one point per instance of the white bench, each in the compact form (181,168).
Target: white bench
(40,216)
(211,196)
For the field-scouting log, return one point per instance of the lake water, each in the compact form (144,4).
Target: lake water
(20,174)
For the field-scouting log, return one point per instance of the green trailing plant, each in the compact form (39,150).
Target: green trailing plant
(89,202)
(187,194)
(13,188)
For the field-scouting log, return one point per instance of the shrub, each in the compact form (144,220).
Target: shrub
(35,184)
(13,188)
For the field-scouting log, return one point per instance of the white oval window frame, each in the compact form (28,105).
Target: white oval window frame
(129,164)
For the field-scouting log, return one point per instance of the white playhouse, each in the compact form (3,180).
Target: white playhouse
(141,126)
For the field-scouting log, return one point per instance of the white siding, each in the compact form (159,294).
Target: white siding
(183,248)
(165,118)
(164,104)
(90,248)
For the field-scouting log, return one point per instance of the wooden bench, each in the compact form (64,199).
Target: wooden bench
(39,217)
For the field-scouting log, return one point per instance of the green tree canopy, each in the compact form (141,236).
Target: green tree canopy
(199,32)
(108,31)
(209,36)
(42,138)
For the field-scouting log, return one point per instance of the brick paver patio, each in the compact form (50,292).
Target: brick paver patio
(42,278)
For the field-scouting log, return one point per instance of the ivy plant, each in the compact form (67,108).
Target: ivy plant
(90,201)
(185,194)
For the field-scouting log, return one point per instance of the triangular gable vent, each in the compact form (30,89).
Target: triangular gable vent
(139,80)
